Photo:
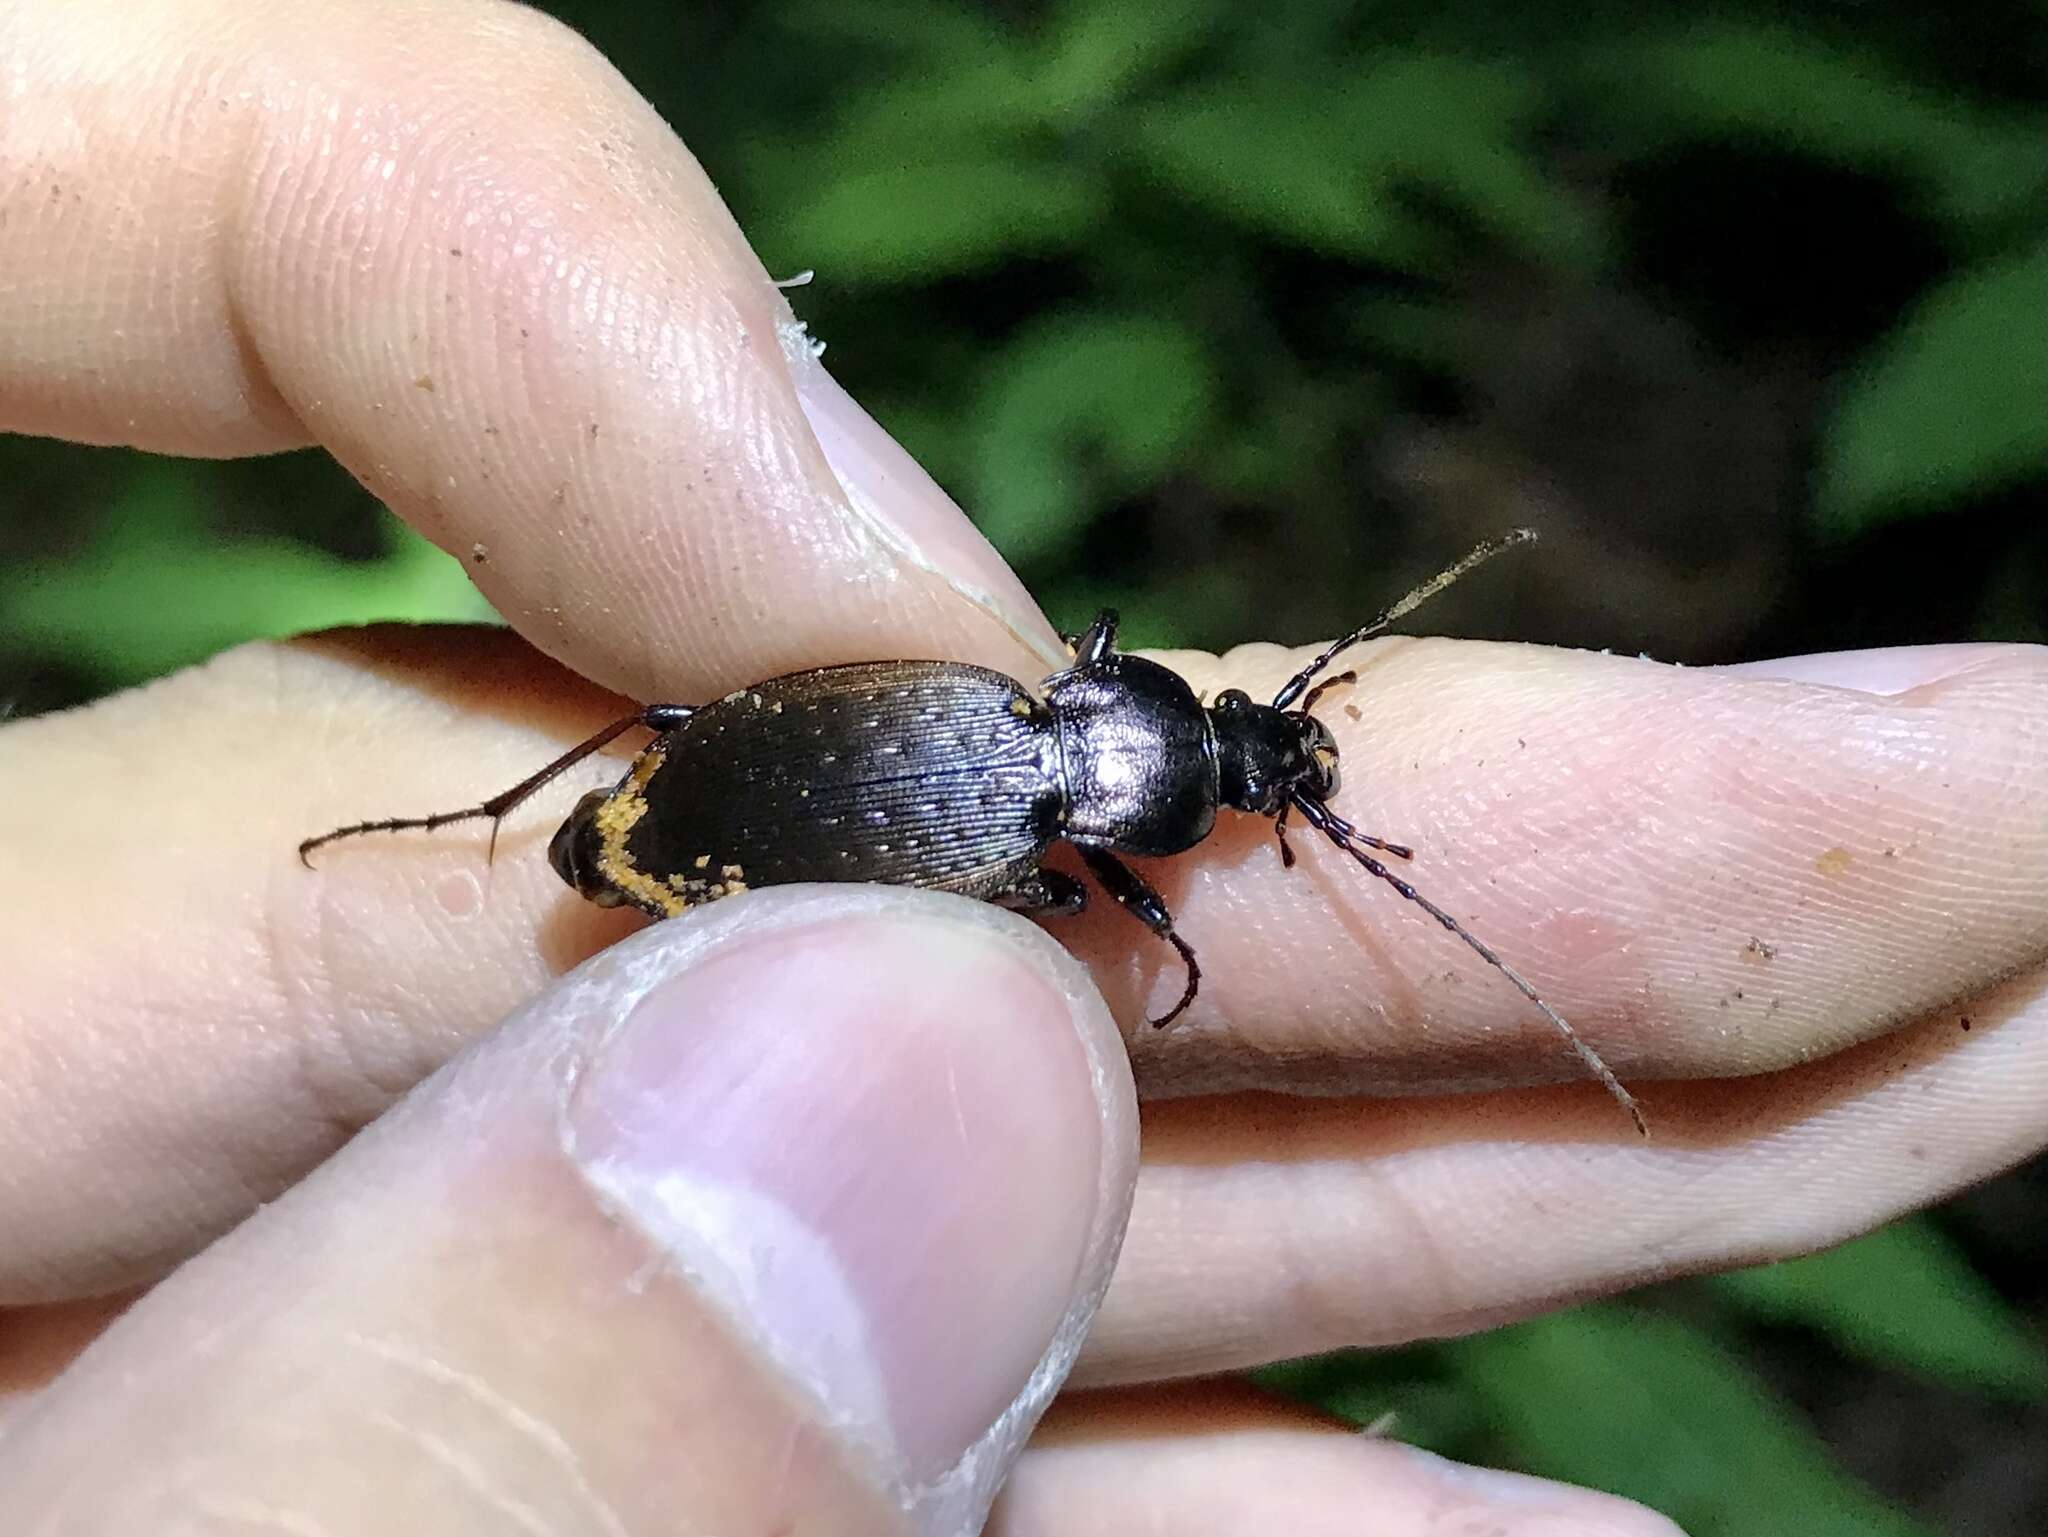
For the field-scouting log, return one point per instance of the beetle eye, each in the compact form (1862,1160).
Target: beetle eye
(1233,699)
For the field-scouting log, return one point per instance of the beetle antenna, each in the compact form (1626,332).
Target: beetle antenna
(498,806)
(1337,830)
(1421,595)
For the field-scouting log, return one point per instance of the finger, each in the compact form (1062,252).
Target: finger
(158,1080)
(1223,1461)
(1268,1228)
(505,297)
(1707,873)
(729,1232)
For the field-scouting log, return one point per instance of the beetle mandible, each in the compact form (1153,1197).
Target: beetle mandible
(957,778)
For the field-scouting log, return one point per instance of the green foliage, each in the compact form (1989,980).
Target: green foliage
(1836,103)
(1335,164)
(155,592)
(941,215)
(1082,410)
(1625,1399)
(1904,1298)
(1955,402)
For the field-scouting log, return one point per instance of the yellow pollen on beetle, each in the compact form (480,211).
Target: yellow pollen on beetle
(616,817)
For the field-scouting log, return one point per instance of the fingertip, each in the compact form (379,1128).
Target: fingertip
(802,1207)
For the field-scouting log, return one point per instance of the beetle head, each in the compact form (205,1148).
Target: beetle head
(574,853)
(1265,755)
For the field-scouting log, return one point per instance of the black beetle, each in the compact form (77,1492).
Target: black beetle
(957,778)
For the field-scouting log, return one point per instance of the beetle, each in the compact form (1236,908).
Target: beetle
(958,778)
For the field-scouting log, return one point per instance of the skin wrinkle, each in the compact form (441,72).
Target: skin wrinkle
(471,1473)
(263,1518)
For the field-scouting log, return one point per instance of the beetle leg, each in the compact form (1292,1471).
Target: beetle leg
(1044,894)
(1338,680)
(666,717)
(1280,829)
(1098,642)
(1137,898)
(1398,850)
(657,717)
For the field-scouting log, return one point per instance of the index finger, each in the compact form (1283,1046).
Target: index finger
(506,297)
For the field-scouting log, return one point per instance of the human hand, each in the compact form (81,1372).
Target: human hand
(1796,873)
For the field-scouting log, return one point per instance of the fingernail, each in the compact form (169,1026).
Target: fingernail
(1886,670)
(903,506)
(877,1145)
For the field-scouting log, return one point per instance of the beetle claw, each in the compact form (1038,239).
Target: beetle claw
(1187,954)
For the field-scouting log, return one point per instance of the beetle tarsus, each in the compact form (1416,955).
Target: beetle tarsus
(1134,894)
(1194,983)
(1398,850)
(1338,680)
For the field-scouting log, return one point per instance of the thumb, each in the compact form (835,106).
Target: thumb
(785,1217)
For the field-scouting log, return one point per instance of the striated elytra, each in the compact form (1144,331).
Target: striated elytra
(957,778)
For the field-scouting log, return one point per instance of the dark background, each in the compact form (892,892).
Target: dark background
(1242,317)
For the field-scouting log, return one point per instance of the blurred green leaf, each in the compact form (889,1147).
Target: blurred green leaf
(157,592)
(1649,1407)
(1266,160)
(1751,81)
(1902,1297)
(932,32)
(1611,1397)
(1337,164)
(1077,410)
(1955,402)
(936,217)
(982,107)
(1096,52)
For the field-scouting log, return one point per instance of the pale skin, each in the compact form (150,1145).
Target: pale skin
(1770,896)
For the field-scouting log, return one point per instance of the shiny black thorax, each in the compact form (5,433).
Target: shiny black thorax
(1137,756)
